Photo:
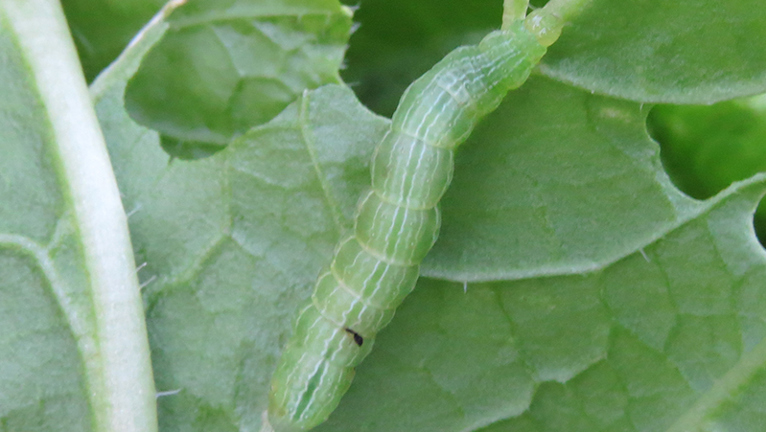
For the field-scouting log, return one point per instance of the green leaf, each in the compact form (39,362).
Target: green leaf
(600,298)
(224,67)
(649,281)
(548,184)
(667,335)
(232,244)
(74,354)
(671,335)
(676,52)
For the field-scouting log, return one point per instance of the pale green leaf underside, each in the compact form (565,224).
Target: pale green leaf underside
(41,267)
(233,243)
(667,334)
(669,338)
(685,52)
(74,354)
(626,303)
(556,181)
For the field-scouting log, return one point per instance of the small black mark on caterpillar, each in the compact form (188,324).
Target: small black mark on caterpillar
(358,339)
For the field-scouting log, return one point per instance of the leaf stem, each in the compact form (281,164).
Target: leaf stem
(118,374)
(513,10)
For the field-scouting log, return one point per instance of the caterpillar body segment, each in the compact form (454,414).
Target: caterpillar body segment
(396,224)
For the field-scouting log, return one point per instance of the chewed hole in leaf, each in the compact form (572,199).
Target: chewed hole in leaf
(705,148)
(188,150)
(759,223)
(209,80)
(391,47)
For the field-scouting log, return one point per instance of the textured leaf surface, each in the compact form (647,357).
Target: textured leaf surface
(568,168)
(665,329)
(226,66)
(600,298)
(233,243)
(667,338)
(694,51)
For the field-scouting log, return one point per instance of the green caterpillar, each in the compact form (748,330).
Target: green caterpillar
(398,221)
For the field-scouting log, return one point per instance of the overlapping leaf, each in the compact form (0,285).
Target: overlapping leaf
(224,67)
(700,51)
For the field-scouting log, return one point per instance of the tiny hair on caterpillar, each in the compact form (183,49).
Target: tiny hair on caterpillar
(398,220)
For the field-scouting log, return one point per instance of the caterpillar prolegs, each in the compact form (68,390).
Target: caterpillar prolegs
(397,222)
